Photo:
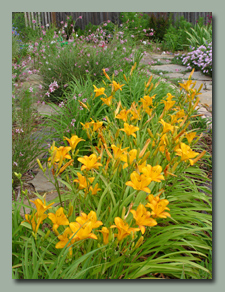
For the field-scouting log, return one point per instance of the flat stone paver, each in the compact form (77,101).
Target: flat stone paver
(169,67)
(198,76)
(44,109)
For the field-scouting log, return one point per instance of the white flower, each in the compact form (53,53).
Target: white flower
(52,42)
(144,42)
(161,73)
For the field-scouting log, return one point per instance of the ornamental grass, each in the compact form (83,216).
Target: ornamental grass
(132,206)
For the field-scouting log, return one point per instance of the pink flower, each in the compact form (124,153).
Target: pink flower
(80,17)
(40,86)
(65,85)
(47,93)
(14,163)
(33,21)
(41,39)
(30,89)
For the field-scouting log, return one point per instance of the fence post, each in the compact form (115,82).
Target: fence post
(53,18)
(25,17)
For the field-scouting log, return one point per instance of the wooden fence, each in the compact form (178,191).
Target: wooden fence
(96,18)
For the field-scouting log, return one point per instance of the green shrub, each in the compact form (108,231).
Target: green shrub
(175,38)
(159,25)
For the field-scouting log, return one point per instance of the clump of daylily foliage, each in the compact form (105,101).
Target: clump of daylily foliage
(118,193)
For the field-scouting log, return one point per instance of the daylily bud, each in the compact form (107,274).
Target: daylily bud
(139,242)
(40,165)
(123,212)
(47,234)
(70,210)
(18,175)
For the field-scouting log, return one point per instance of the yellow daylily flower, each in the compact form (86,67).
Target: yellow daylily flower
(59,218)
(117,151)
(61,152)
(108,100)
(190,136)
(166,127)
(169,96)
(142,217)
(154,173)
(186,85)
(185,152)
(86,126)
(132,155)
(41,206)
(73,141)
(96,125)
(147,101)
(64,238)
(81,232)
(35,220)
(105,233)
(123,115)
(83,184)
(99,91)
(95,189)
(168,104)
(158,207)
(139,182)
(123,228)
(129,129)
(89,162)
(91,217)
(116,86)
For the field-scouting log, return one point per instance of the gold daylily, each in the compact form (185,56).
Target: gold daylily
(186,85)
(185,152)
(99,91)
(91,217)
(59,218)
(158,206)
(107,101)
(41,206)
(96,125)
(139,182)
(129,157)
(117,151)
(142,217)
(190,136)
(168,104)
(90,162)
(123,115)
(105,233)
(81,232)
(123,228)
(87,125)
(73,141)
(116,86)
(169,96)
(35,220)
(82,181)
(64,238)
(166,127)
(129,129)
(154,173)
(147,101)
(61,153)
(95,189)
